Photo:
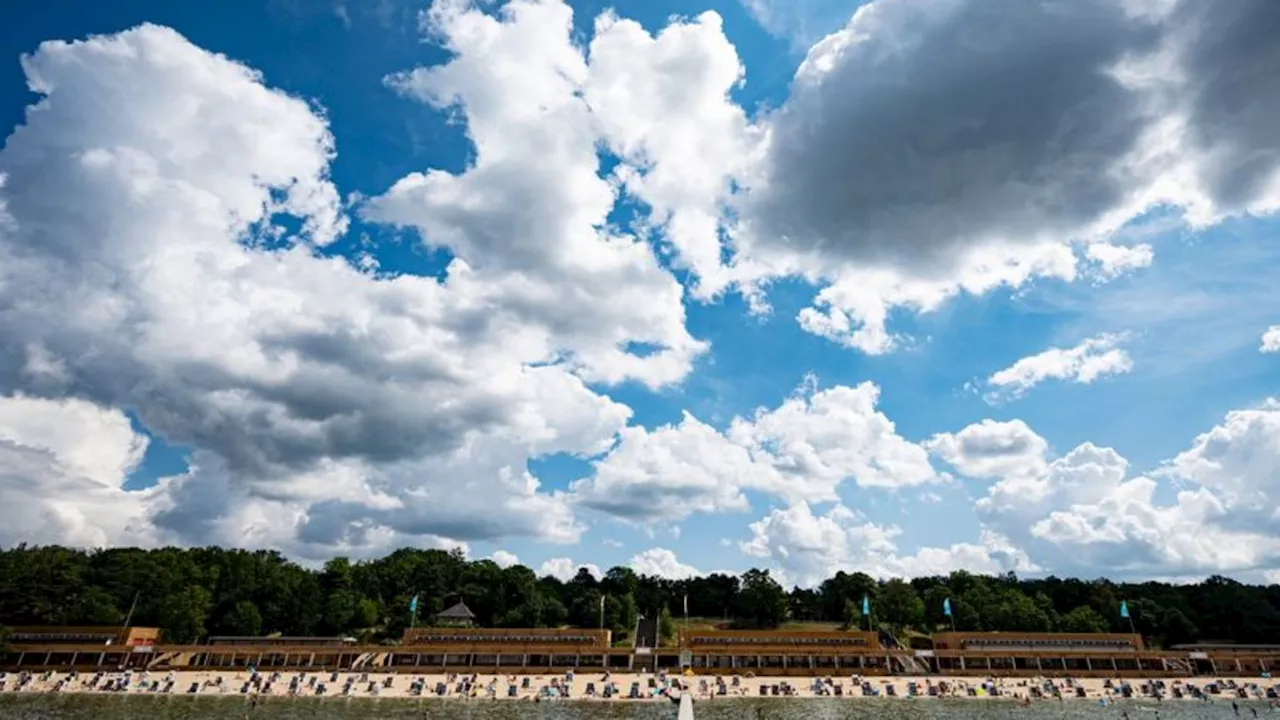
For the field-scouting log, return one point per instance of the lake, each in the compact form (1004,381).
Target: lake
(97,707)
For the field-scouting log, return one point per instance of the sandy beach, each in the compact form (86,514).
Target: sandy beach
(636,688)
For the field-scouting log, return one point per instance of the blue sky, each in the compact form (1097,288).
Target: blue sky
(1124,284)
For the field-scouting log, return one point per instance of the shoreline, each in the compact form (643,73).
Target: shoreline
(641,688)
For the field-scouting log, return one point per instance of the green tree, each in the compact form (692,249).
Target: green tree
(1176,628)
(184,613)
(899,605)
(1083,619)
(666,626)
(852,615)
(762,602)
(244,619)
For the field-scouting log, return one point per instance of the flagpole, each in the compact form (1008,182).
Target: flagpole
(128,618)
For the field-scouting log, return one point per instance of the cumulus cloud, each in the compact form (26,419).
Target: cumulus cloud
(504,559)
(564,569)
(1271,340)
(186,237)
(801,451)
(1111,261)
(662,563)
(806,548)
(530,215)
(329,409)
(63,467)
(1084,510)
(800,22)
(1084,363)
(928,149)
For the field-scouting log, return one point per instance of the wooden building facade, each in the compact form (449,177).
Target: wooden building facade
(547,651)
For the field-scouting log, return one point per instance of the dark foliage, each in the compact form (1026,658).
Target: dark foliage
(196,592)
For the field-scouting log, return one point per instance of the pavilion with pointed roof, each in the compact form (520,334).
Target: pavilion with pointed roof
(458,615)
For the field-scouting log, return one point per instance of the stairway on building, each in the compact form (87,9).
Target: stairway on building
(909,665)
(646,633)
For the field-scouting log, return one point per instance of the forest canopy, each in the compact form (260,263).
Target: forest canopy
(197,592)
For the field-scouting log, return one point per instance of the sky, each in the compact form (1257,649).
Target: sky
(898,287)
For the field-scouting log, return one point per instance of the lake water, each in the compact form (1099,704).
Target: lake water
(96,707)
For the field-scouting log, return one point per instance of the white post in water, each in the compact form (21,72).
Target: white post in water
(686,706)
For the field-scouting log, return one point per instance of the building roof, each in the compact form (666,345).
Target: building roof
(457,612)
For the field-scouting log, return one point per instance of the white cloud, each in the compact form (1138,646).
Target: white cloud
(912,163)
(660,562)
(333,406)
(802,450)
(504,559)
(1093,358)
(662,105)
(668,473)
(1083,510)
(800,22)
(529,216)
(1237,459)
(329,409)
(63,466)
(991,449)
(807,548)
(564,569)
(1271,340)
(1113,261)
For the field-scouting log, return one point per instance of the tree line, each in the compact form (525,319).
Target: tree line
(197,592)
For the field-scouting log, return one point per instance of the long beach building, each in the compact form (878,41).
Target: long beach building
(720,652)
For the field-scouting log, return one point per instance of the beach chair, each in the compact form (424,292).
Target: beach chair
(912,689)
(525,684)
(512,691)
(838,690)
(441,689)
(890,691)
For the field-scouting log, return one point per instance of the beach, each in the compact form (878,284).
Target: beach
(636,688)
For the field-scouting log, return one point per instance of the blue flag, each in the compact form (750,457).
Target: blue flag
(946,607)
(1124,609)
(866,605)
(413,604)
